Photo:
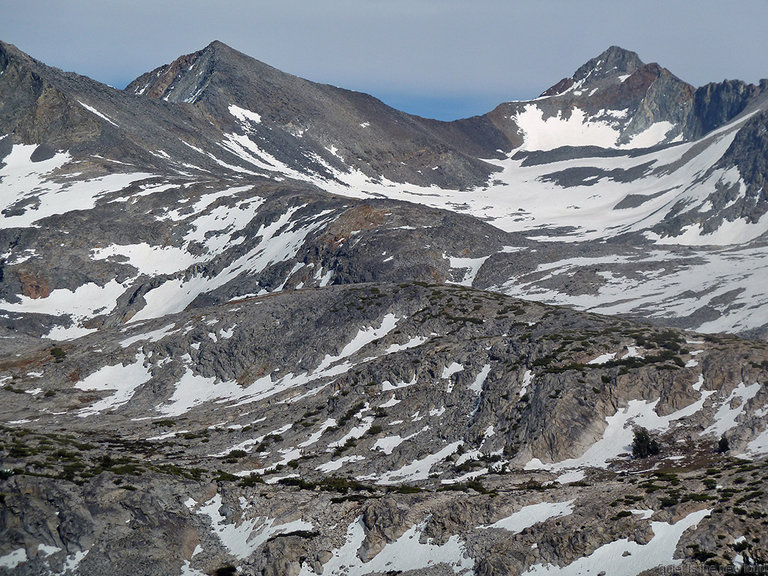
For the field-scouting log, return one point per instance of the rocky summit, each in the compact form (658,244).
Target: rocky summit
(252,324)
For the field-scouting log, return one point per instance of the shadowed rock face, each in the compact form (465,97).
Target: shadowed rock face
(716,103)
(256,324)
(749,153)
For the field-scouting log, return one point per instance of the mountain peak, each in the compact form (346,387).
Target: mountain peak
(219,48)
(6,49)
(615,61)
(9,53)
(185,79)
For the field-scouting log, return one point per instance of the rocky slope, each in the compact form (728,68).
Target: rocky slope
(254,324)
(421,428)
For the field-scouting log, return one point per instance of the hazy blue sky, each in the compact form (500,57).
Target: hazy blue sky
(438,58)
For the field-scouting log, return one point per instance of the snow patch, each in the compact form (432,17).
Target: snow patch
(153,336)
(477,385)
(626,558)
(124,380)
(412,343)
(471,265)
(151,260)
(731,408)
(452,369)
(363,337)
(93,110)
(533,514)
(245,116)
(334,465)
(603,358)
(557,131)
(405,554)
(13,559)
(618,434)
(418,469)
(244,539)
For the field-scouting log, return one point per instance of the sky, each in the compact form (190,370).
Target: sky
(442,59)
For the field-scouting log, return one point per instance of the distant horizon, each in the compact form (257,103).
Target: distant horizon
(446,60)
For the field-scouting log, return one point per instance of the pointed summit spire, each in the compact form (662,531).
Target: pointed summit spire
(615,61)
(612,63)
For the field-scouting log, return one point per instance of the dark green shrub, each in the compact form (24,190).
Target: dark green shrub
(251,480)
(643,444)
(406,490)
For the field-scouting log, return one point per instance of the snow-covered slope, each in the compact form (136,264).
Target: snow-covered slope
(599,164)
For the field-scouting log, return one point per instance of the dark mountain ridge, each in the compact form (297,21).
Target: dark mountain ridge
(304,116)
(311,127)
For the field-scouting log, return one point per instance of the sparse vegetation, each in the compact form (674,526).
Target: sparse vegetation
(643,445)
(58,354)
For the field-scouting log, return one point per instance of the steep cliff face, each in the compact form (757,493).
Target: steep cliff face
(717,103)
(749,155)
(36,111)
(613,100)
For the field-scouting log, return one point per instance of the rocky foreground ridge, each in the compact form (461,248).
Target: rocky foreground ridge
(253,324)
(425,428)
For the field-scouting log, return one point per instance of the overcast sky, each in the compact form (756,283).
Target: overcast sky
(436,58)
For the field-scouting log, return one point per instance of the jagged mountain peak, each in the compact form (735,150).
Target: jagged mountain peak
(631,104)
(5,49)
(223,51)
(10,55)
(610,69)
(8,51)
(614,61)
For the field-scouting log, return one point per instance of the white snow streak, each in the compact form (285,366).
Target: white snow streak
(124,380)
(533,514)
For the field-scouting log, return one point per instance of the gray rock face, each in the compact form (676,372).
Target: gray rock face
(749,153)
(617,88)
(717,103)
(614,61)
